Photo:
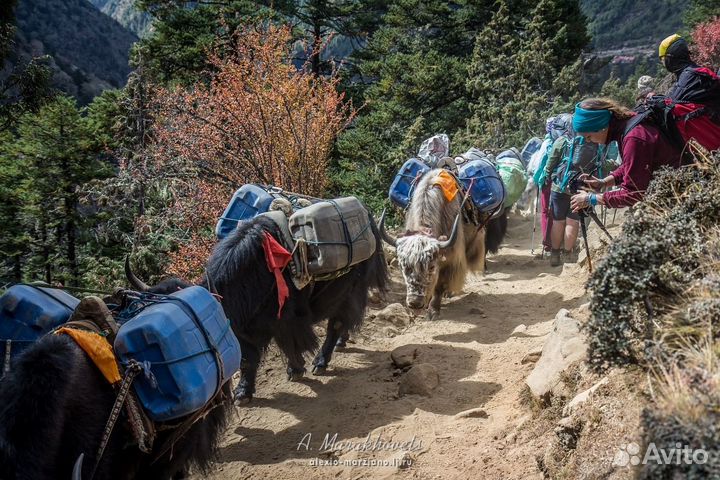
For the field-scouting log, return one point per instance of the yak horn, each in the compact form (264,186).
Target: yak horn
(386,236)
(77,469)
(453,235)
(135,282)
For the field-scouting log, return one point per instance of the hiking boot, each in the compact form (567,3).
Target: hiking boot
(555,258)
(570,256)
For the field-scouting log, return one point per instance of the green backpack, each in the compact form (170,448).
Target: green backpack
(580,157)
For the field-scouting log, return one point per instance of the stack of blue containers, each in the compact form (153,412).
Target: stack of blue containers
(402,186)
(28,312)
(248,201)
(180,337)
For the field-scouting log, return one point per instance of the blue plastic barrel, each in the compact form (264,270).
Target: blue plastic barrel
(178,337)
(247,202)
(486,187)
(28,312)
(402,186)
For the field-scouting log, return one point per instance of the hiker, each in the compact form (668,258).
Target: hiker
(570,157)
(693,82)
(555,128)
(643,149)
(645,90)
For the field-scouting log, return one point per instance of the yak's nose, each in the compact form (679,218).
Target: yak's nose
(415,301)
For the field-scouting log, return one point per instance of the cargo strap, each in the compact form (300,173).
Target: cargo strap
(142,427)
(131,371)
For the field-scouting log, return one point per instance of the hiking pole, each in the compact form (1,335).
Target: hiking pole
(583,227)
(614,213)
(591,213)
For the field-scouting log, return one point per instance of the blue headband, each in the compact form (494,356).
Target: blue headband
(586,121)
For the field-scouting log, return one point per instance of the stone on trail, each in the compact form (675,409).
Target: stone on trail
(404,356)
(532,356)
(421,379)
(564,346)
(582,397)
(394,313)
(472,413)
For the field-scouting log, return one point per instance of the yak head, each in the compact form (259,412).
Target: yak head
(419,257)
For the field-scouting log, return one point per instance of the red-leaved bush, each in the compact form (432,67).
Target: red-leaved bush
(259,119)
(706,40)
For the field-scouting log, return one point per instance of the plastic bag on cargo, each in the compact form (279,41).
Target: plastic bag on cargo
(512,173)
(435,149)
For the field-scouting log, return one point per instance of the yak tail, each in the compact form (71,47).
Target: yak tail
(495,232)
(379,275)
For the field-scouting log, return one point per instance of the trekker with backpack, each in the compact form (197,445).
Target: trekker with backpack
(570,158)
(563,225)
(644,149)
(691,109)
(555,127)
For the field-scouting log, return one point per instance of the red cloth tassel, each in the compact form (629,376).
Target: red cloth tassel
(277,258)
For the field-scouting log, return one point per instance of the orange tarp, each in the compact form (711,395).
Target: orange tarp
(98,349)
(447,184)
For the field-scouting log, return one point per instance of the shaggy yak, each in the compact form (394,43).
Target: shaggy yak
(249,294)
(54,405)
(437,249)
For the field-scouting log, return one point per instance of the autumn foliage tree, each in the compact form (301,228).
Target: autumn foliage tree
(259,119)
(706,39)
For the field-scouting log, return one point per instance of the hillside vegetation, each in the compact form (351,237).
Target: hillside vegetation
(89,51)
(627,23)
(126,14)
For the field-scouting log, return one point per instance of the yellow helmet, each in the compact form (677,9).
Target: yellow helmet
(665,44)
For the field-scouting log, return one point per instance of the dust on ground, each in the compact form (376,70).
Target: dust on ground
(477,347)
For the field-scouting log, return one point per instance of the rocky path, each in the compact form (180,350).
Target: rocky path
(480,351)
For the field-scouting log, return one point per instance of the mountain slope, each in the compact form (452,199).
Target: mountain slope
(615,24)
(125,13)
(89,50)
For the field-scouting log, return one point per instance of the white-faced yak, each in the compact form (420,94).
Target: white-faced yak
(438,249)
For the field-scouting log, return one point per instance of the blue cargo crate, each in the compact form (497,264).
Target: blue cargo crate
(486,187)
(248,201)
(28,312)
(178,336)
(405,181)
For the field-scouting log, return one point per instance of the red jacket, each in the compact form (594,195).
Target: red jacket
(644,150)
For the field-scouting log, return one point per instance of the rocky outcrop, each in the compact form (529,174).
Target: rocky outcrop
(564,346)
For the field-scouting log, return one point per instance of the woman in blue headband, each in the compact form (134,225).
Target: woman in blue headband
(643,149)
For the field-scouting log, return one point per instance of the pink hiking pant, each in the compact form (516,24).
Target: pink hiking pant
(546,215)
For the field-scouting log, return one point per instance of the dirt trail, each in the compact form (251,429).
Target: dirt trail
(476,346)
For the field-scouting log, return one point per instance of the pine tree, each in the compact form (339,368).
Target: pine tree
(60,155)
(515,70)
(700,11)
(411,73)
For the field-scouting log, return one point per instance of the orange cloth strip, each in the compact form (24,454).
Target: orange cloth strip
(447,184)
(98,349)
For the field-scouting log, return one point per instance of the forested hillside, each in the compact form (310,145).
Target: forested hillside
(126,13)
(88,50)
(615,24)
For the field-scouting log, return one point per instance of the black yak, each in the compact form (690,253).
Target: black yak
(54,405)
(249,295)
